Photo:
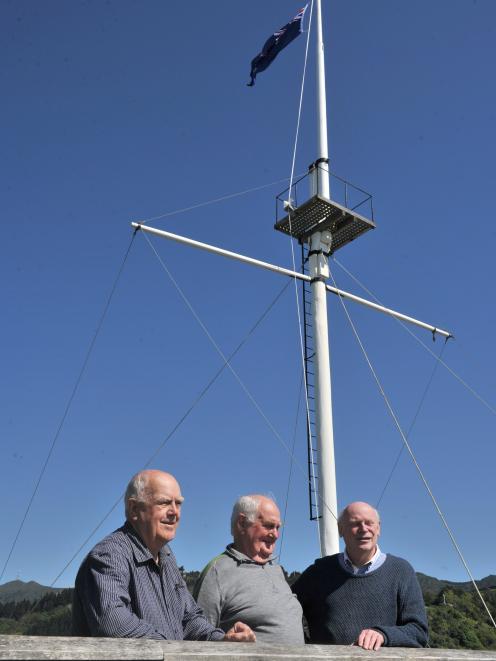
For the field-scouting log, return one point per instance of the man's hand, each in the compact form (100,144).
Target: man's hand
(370,639)
(240,633)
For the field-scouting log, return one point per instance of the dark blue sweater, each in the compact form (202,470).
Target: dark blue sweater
(338,605)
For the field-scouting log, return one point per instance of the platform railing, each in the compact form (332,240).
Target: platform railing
(344,192)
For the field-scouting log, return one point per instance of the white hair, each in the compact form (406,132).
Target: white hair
(247,505)
(136,490)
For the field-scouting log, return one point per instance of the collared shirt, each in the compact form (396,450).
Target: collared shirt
(122,592)
(374,563)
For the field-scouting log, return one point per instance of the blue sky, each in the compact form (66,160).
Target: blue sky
(117,111)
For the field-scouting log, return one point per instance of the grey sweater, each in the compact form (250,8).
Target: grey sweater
(232,588)
(338,605)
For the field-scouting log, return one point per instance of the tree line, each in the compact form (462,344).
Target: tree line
(48,616)
(457,618)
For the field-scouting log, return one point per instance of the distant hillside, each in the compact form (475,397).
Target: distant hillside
(16,591)
(457,618)
(20,591)
(433,586)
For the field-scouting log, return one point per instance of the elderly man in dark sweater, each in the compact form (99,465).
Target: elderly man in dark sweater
(362,596)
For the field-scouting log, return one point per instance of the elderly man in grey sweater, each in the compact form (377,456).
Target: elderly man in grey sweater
(245,582)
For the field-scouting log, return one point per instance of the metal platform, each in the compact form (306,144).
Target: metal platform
(319,213)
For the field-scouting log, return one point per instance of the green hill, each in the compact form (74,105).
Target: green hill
(457,618)
(20,591)
(48,615)
(433,586)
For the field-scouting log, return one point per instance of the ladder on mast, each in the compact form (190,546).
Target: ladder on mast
(308,356)
(336,225)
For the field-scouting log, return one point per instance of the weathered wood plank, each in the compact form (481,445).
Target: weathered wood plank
(109,649)
(53,647)
(190,651)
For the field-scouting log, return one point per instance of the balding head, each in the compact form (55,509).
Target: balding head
(352,508)
(153,507)
(138,488)
(360,526)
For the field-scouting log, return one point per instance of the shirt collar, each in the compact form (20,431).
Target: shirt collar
(363,569)
(242,558)
(141,552)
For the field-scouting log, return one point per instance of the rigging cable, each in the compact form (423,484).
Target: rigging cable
(197,399)
(445,365)
(216,346)
(297,300)
(229,366)
(281,541)
(229,196)
(69,402)
(412,424)
(412,455)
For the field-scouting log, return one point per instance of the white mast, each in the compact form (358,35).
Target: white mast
(320,244)
(327,226)
(323,155)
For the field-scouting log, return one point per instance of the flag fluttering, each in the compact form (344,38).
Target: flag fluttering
(274,45)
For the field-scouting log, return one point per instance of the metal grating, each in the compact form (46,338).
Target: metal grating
(317,214)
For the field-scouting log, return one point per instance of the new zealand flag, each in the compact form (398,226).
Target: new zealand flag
(274,45)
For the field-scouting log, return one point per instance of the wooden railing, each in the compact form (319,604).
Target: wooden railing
(51,647)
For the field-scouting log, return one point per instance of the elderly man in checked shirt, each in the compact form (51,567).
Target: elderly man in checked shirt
(129,585)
